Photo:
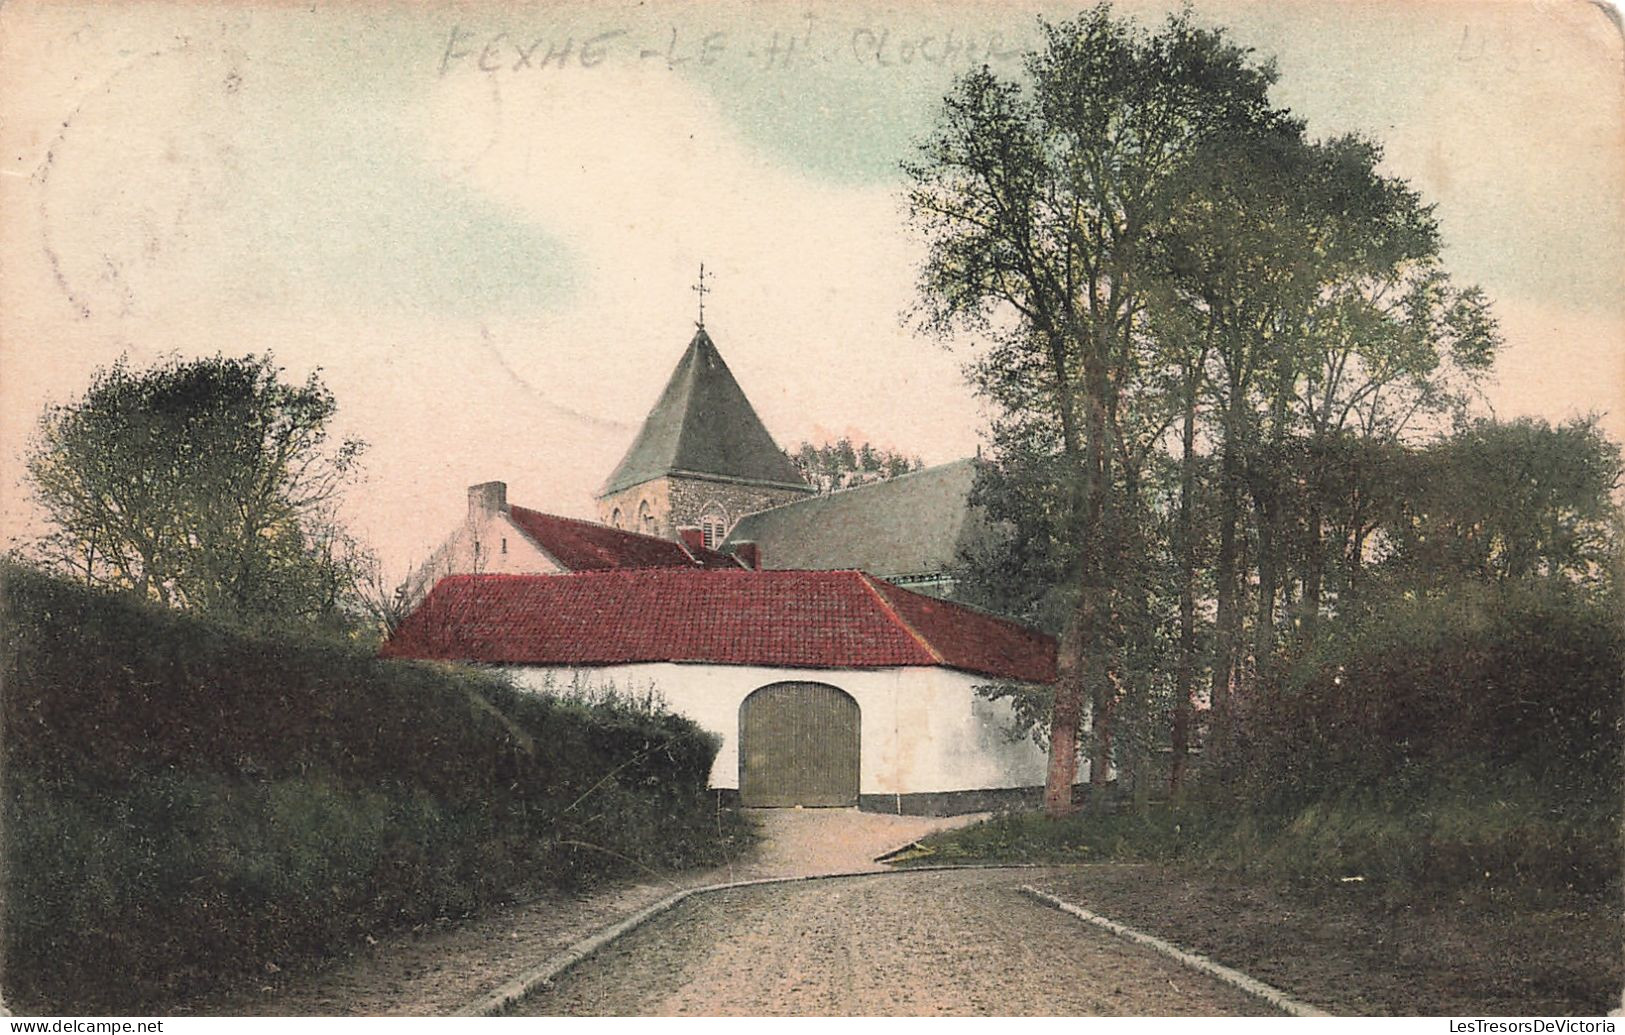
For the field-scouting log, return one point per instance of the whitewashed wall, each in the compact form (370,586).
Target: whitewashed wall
(504,550)
(922,729)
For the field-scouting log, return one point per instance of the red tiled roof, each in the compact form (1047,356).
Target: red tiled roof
(781,619)
(588,546)
(969,639)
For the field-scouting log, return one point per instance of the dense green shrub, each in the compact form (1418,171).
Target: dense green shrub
(1521,680)
(1469,737)
(183,800)
(1481,836)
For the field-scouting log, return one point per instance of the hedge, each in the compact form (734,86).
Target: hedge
(185,802)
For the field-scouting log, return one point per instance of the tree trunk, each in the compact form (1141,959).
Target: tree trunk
(1185,689)
(1066,714)
(1356,563)
(1269,540)
(1100,745)
(1096,544)
(1225,575)
(1270,476)
(1313,573)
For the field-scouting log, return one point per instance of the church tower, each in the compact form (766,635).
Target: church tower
(702,458)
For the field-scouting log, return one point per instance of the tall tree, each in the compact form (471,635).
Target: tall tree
(1242,256)
(1181,346)
(1039,202)
(208,484)
(1397,351)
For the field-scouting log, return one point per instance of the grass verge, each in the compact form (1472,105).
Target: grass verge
(1458,901)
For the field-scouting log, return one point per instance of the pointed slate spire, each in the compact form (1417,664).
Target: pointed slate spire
(703,425)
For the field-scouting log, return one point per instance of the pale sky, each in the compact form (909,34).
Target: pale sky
(482,222)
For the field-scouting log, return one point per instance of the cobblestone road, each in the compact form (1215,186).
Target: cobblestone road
(954,943)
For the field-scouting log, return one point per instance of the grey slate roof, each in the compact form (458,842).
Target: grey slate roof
(913,524)
(703,424)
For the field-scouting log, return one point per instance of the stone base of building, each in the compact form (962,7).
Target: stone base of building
(945,803)
(660,506)
(953,803)
(958,803)
(727,797)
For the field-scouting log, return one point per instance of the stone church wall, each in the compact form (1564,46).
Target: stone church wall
(691,498)
(676,501)
(655,493)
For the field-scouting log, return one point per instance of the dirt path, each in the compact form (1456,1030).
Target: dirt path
(944,943)
(805,842)
(439,970)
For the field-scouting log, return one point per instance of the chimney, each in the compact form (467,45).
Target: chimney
(749,554)
(486,500)
(692,537)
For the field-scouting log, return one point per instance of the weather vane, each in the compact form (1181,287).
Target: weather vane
(702,289)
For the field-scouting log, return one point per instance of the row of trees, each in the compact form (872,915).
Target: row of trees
(841,464)
(1211,339)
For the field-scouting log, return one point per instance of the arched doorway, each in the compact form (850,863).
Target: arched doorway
(798,745)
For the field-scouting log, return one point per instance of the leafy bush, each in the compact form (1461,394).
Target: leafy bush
(184,800)
(1523,680)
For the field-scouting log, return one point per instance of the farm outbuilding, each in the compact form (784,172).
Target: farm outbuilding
(827,688)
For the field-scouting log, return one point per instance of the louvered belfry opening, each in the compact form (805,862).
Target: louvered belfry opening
(798,745)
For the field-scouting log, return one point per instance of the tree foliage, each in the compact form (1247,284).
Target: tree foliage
(207,484)
(1231,382)
(842,464)
(1042,203)
(1506,502)
(1516,674)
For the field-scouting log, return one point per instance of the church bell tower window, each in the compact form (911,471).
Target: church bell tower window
(714,530)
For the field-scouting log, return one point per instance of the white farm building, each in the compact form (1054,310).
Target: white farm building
(828,688)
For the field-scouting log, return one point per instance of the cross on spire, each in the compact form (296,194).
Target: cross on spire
(701,289)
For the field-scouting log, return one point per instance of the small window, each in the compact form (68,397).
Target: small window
(504,544)
(646,518)
(713,529)
(615,517)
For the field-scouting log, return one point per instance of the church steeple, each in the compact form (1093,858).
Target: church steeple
(703,424)
(702,452)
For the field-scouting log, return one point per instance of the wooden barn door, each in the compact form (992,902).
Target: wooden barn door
(798,745)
